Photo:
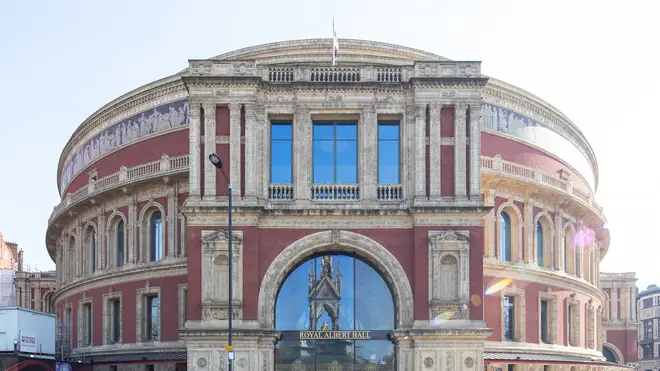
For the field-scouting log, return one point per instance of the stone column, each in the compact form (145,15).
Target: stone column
(434,152)
(368,149)
(100,239)
(408,152)
(302,154)
(475,150)
(528,232)
(80,248)
(210,171)
(615,301)
(491,221)
(194,187)
(261,153)
(132,227)
(235,148)
(559,240)
(172,212)
(420,153)
(251,165)
(460,154)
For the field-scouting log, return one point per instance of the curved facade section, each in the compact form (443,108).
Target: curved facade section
(382,185)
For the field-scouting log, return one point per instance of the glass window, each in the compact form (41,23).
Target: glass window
(539,244)
(609,356)
(156,237)
(152,318)
(544,321)
(93,250)
(505,237)
(648,330)
(340,293)
(565,247)
(87,324)
(509,318)
(569,325)
(335,153)
(281,153)
(120,243)
(116,320)
(388,152)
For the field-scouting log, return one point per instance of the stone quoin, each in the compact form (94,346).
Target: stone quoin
(398,211)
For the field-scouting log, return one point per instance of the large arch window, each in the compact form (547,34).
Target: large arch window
(156,237)
(119,244)
(505,237)
(609,355)
(539,244)
(335,310)
(92,250)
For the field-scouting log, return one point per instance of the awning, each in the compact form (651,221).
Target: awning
(144,357)
(515,358)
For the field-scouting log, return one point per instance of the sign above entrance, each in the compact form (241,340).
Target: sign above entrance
(335,335)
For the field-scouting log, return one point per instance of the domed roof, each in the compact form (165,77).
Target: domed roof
(319,51)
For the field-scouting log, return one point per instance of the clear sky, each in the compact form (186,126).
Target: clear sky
(594,60)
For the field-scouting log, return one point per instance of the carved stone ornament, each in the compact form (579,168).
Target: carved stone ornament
(469,362)
(428,362)
(449,93)
(201,362)
(449,275)
(242,362)
(215,269)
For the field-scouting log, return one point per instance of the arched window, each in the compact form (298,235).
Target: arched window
(565,252)
(72,258)
(119,243)
(92,250)
(505,237)
(539,244)
(156,237)
(609,355)
(334,312)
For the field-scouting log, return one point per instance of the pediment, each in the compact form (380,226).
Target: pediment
(221,236)
(325,290)
(449,236)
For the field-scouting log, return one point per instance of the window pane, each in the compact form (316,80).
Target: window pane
(539,245)
(374,307)
(281,169)
(324,131)
(324,164)
(156,237)
(346,162)
(505,237)
(346,131)
(388,162)
(388,131)
(281,131)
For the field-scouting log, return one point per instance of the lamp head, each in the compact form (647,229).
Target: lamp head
(15,341)
(215,160)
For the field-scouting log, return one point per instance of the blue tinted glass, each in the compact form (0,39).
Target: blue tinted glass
(505,237)
(281,155)
(281,131)
(346,131)
(324,162)
(324,131)
(388,131)
(350,295)
(388,162)
(346,162)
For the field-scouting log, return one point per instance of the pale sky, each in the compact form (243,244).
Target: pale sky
(596,61)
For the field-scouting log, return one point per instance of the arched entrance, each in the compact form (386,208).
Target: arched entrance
(334,312)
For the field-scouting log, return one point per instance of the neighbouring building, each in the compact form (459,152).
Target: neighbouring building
(648,308)
(620,317)
(8,254)
(397,211)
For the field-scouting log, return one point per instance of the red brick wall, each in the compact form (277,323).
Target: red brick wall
(447,171)
(172,144)
(510,150)
(626,341)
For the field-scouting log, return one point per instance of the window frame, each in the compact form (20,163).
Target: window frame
(573,319)
(388,122)
(334,124)
(109,316)
(120,238)
(270,142)
(551,315)
(520,317)
(141,317)
(155,231)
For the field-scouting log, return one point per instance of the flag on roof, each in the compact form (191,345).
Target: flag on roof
(335,44)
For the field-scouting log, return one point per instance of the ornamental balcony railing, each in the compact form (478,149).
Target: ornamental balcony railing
(164,167)
(497,165)
(336,74)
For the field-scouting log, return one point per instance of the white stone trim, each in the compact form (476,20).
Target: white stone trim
(87,251)
(209,147)
(108,317)
(617,353)
(553,310)
(235,148)
(547,225)
(85,300)
(183,303)
(144,226)
(215,256)
(460,150)
(111,236)
(435,142)
(336,240)
(449,291)
(141,314)
(194,176)
(520,307)
(474,190)
(516,231)
(572,333)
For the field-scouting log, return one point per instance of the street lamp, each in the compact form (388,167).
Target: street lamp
(217,162)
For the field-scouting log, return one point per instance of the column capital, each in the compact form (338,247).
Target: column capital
(460,109)
(209,109)
(194,109)
(435,109)
(234,108)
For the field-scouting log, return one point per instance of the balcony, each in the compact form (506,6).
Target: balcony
(166,166)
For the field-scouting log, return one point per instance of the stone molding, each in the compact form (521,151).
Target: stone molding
(336,240)
(449,274)
(108,316)
(215,252)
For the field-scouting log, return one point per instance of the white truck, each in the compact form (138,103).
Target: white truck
(27,331)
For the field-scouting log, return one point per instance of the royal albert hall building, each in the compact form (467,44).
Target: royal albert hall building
(399,211)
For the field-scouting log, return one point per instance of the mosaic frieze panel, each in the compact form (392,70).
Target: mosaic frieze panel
(144,124)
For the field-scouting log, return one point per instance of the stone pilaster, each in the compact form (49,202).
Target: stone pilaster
(210,171)
(460,151)
(100,239)
(261,152)
(80,248)
(368,147)
(528,236)
(235,148)
(132,227)
(183,238)
(475,150)
(194,186)
(408,153)
(302,154)
(172,212)
(559,241)
(215,267)
(615,299)
(420,153)
(491,223)
(251,164)
(434,152)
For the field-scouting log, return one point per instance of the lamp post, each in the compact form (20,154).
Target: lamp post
(217,162)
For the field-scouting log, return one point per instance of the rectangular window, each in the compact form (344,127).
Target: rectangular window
(151,317)
(569,324)
(68,317)
(648,330)
(509,318)
(388,152)
(544,321)
(648,303)
(335,153)
(281,153)
(115,307)
(87,324)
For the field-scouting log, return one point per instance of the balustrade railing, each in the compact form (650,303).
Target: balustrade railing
(335,74)
(389,192)
(280,192)
(336,192)
(165,166)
